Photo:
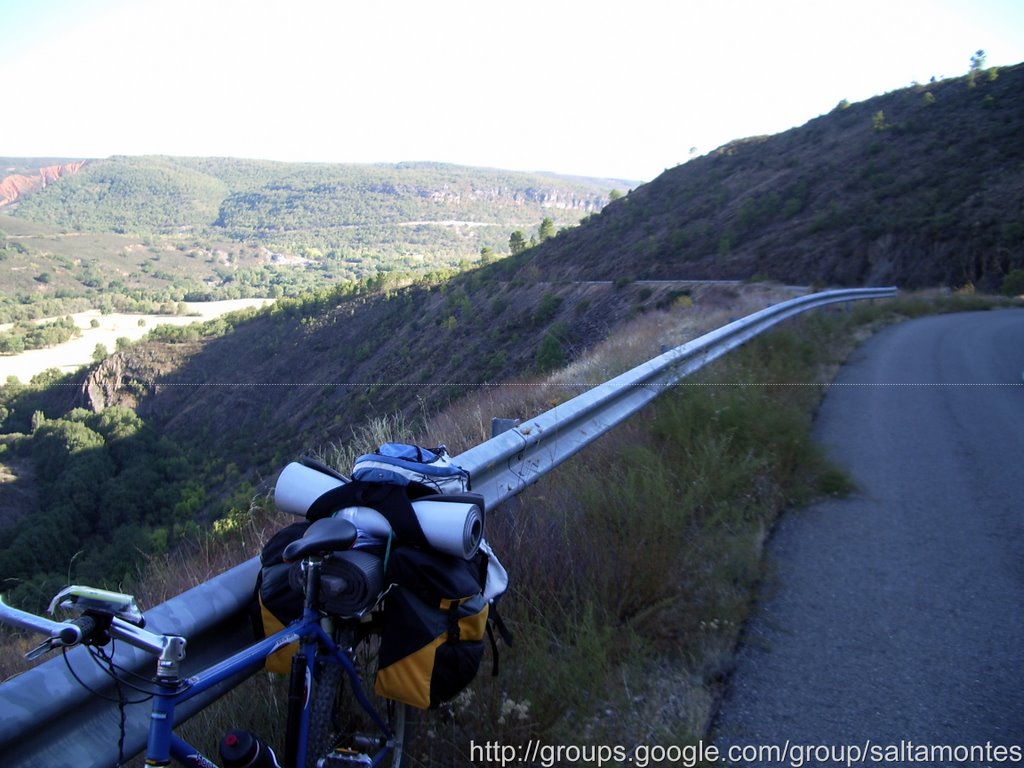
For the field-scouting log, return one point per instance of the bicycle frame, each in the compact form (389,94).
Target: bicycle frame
(315,644)
(163,743)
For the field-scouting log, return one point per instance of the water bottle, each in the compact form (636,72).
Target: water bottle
(242,749)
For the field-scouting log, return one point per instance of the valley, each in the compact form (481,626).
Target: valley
(400,289)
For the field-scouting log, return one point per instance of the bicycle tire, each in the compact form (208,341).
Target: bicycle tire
(327,687)
(336,716)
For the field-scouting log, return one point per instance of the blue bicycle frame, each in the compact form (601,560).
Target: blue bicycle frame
(163,743)
(315,645)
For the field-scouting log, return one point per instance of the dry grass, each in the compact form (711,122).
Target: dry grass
(633,565)
(468,421)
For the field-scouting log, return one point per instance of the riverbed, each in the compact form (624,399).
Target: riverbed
(72,355)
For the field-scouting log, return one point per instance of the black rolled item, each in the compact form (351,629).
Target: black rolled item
(351,582)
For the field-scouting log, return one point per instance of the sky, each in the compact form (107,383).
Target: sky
(619,90)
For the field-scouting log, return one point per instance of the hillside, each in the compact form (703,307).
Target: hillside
(349,220)
(901,189)
(917,187)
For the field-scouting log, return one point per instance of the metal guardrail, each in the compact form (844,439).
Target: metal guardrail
(502,466)
(49,719)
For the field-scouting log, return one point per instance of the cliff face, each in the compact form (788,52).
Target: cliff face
(550,197)
(14,186)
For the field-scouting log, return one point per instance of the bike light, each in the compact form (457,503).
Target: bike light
(99,600)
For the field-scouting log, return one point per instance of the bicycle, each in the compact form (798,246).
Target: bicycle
(323,729)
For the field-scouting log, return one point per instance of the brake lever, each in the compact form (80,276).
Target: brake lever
(49,644)
(87,629)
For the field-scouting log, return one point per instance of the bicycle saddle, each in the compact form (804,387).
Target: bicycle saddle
(326,535)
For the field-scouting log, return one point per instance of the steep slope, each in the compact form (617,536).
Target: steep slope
(304,374)
(917,187)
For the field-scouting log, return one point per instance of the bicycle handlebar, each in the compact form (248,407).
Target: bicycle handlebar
(66,634)
(78,630)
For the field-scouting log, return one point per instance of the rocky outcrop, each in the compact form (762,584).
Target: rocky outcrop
(129,377)
(14,186)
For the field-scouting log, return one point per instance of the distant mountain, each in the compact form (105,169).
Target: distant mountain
(392,209)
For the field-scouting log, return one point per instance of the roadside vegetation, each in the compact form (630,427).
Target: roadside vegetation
(634,565)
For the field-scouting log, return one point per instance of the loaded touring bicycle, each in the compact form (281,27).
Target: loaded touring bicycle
(372,564)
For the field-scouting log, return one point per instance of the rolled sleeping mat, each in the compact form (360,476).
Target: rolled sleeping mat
(373,528)
(452,527)
(298,488)
(351,583)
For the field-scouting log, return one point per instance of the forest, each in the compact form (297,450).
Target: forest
(128,233)
(109,489)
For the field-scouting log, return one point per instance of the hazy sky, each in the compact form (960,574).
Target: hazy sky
(618,89)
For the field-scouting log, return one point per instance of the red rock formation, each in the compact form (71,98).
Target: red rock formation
(14,186)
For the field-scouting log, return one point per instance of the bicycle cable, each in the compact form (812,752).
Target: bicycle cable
(127,673)
(122,701)
(96,660)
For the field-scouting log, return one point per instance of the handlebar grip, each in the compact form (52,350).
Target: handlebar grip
(78,630)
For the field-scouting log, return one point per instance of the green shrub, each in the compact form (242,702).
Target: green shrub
(547,308)
(550,354)
(1013,283)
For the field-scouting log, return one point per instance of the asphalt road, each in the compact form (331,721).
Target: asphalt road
(897,615)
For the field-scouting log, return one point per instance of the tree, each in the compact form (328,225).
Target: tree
(550,354)
(11,344)
(99,354)
(977,65)
(547,229)
(517,242)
